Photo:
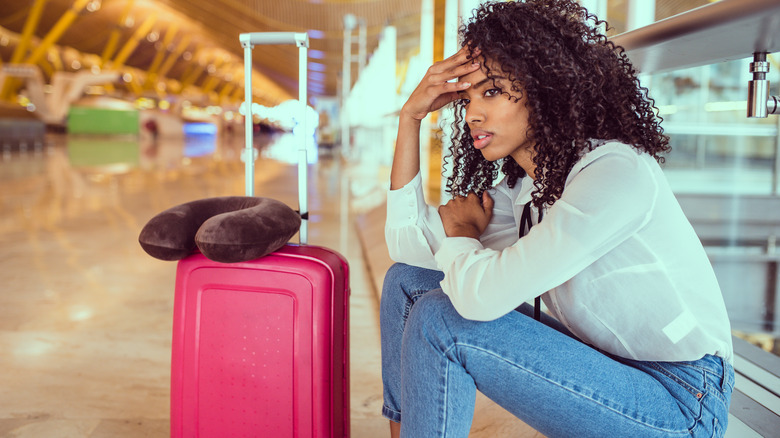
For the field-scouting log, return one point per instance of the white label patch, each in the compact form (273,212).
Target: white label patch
(681,326)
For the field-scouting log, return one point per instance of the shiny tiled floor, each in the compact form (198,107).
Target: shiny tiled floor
(86,315)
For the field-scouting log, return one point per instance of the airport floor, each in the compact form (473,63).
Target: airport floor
(86,315)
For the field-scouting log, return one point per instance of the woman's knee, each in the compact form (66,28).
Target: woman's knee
(432,309)
(407,282)
(395,275)
(411,277)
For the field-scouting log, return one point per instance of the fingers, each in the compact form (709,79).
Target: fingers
(487,202)
(457,65)
(464,216)
(438,74)
(463,54)
(487,205)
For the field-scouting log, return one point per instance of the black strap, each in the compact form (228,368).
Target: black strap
(525,226)
(304,216)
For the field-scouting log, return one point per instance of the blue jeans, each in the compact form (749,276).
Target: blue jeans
(434,361)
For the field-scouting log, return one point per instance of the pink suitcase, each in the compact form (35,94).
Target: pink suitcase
(261,348)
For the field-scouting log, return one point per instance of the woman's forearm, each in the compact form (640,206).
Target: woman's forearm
(406,160)
(433,92)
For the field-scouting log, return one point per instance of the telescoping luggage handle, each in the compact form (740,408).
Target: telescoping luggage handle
(248,41)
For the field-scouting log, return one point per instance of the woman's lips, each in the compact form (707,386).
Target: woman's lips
(481,139)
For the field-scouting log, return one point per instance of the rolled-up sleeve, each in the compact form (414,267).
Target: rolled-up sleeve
(413,230)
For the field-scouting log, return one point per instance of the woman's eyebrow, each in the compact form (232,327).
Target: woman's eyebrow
(483,81)
(479,85)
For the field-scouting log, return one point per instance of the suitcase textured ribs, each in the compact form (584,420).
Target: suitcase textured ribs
(260,347)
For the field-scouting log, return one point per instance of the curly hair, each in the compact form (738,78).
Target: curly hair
(578,87)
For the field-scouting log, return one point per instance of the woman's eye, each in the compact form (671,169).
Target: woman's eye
(492,92)
(463,101)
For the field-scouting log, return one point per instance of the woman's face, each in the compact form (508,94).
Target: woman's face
(498,124)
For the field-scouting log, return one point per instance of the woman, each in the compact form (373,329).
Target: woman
(637,341)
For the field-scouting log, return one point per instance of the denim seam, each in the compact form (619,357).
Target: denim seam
(391,414)
(698,368)
(692,390)
(717,394)
(446,395)
(560,385)
(413,297)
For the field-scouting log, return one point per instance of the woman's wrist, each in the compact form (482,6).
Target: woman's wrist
(409,116)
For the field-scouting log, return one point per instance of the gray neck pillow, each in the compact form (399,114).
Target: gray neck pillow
(226,229)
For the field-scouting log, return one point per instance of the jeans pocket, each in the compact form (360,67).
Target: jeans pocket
(701,390)
(677,377)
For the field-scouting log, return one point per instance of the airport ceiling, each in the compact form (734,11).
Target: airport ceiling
(199,39)
(191,47)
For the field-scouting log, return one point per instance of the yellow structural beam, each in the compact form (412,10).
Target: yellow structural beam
(113,39)
(225,91)
(191,74)
(27,32)
(211,84)
(132,43)
(46,67)
(238,95)
(21,48)
(213,81)
(56,60)
(183,44)
(135,86)
(56,32)
(151,74)
(194,74)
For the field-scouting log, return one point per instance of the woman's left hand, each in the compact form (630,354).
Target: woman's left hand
(467,216)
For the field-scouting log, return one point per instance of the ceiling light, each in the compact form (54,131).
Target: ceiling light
(316,54)
(93,6)
(316,66)
(316,34)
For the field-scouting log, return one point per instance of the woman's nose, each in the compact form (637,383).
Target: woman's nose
(474,113)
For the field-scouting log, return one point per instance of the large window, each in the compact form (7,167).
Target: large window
(723,167)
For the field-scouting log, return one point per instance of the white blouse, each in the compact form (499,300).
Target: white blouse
(614,259)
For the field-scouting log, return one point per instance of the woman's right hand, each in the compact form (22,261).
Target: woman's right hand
(434,90)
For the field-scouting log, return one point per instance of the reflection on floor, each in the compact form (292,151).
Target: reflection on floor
(85,314)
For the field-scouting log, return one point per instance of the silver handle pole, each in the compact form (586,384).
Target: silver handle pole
(303,180)
(249,150)
(248,40)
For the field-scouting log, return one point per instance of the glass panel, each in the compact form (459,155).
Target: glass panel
(618,11)
(617,16)
(723,169)
(668,8)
